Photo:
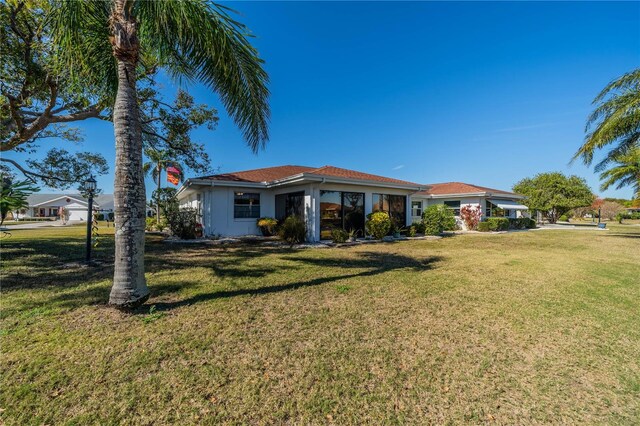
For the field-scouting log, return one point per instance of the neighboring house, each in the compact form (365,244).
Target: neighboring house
(326,197)
(49,205)
(492,202)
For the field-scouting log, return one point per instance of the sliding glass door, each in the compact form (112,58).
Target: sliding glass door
(342,210)
(394,205)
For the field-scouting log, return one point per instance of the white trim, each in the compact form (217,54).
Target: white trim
(59,198)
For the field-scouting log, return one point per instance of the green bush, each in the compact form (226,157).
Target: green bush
(182,223)
(484,227)
(419,227)
(563,218)
(522,223)
(378,224)
(438,218)
(293,230)
(498,223)
(339,235)
(150,224)
(411,231)
(110,216)
(267,226)
(100,216)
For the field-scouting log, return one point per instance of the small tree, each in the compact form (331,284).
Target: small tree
(609,210)
(13,196)
(378,224)
(437,219)
(471,216)
(554,194)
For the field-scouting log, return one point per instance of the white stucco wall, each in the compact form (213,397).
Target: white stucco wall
(216,206)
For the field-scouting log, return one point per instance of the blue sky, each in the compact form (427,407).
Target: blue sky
(485,93)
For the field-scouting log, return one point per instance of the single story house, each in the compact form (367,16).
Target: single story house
(229,204)
(49,205)
(492,202)
(324,197)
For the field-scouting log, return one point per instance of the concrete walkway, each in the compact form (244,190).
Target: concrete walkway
(43,224)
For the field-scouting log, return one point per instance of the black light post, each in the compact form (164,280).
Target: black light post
(599,214)
(90,188)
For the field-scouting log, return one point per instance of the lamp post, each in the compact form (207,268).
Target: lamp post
(90,188)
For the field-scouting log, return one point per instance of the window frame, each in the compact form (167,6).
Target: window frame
(413,209)
(456,210)
(251,205)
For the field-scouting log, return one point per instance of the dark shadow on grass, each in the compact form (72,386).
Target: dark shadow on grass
(623,235)
(373,263)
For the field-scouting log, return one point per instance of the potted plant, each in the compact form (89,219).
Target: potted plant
(353,235)
(267,226)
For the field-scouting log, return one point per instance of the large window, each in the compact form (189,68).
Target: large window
(344,210)
(416,208)
(246,205)
(455,205)
(395,205)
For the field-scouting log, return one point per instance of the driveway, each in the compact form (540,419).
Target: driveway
(43,224)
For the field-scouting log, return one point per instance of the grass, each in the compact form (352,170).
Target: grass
(519,328)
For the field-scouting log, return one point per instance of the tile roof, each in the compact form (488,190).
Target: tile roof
(267,174)
(353,174)
(270,174)
(459,188)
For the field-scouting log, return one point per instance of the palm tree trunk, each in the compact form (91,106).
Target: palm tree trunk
(158,195)
(129,287)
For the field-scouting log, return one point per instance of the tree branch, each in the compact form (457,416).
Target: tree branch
(31,175)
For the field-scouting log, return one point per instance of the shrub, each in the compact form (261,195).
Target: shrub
(150,224)
(471,216)
(412,231)
(182,223)
(522,223)
(419,227)
(339,235)
(563,218)
(111,216)
(437,219)
(293,230)
(267,226)
(498,223)
(484,227)
(100,216)
(378,224)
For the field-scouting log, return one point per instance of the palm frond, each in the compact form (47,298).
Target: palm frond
(80,30)
(615,120)
(200,41)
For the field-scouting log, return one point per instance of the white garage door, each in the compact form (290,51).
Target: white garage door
(77,214)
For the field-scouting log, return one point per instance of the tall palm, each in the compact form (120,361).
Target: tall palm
(107,44)
(625,172)
(615,121)
(159,161)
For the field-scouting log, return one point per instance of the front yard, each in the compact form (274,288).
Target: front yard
(529,327)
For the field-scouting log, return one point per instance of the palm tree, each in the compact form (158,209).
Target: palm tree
(159,161)
(108,44)
(615,121)
(626,172)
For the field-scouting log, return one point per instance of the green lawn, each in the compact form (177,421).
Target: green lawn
(519,328)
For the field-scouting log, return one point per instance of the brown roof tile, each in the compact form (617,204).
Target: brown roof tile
(458,188)
(270,174)
(267,174)
(353,174)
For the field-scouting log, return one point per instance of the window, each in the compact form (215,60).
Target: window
(395,205)
(342,210)
(246,205)
(455,205)
(416,208)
